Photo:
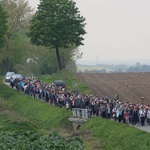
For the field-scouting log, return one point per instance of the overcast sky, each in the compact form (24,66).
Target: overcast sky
(116,29)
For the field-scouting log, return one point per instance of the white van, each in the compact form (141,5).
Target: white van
(8,76)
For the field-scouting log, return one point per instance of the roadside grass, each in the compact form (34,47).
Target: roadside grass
(19,111)
(115,136)
(12,121)
(71,82)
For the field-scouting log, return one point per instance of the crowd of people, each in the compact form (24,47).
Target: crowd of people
(121,111)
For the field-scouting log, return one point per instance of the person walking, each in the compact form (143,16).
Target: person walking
(142,113)
(120,114)
(126,115)
(135,116)
(148,115)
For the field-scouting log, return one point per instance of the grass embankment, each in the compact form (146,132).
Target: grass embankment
(115,136)
(69,79)
(20,112)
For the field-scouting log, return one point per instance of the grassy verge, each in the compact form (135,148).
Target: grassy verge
(19,111)
(69,79)
(115,136)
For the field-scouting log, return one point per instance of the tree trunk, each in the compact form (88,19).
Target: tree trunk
(58,59)
(7,64)
(3,68)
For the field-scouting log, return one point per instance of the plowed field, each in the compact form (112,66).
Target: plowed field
(129,86)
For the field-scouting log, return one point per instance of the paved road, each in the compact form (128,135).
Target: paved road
(144,128)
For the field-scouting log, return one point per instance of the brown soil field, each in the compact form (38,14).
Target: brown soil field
(129,86)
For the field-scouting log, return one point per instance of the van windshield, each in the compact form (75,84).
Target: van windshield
(9,74)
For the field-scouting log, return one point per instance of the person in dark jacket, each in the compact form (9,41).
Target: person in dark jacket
(135,116)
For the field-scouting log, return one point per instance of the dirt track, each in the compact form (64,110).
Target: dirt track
(129,86)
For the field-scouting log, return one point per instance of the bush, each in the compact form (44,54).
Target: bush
(30,141)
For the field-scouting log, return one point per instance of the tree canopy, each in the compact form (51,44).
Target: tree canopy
(3,25)
(57,24)
(19,13)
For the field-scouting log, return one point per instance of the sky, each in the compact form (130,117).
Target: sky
(117,30)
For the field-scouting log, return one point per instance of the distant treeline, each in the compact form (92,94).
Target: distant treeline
(139,68)
(117,68)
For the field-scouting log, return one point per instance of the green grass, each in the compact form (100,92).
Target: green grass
(115,136)
(20,112)
(69,79)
